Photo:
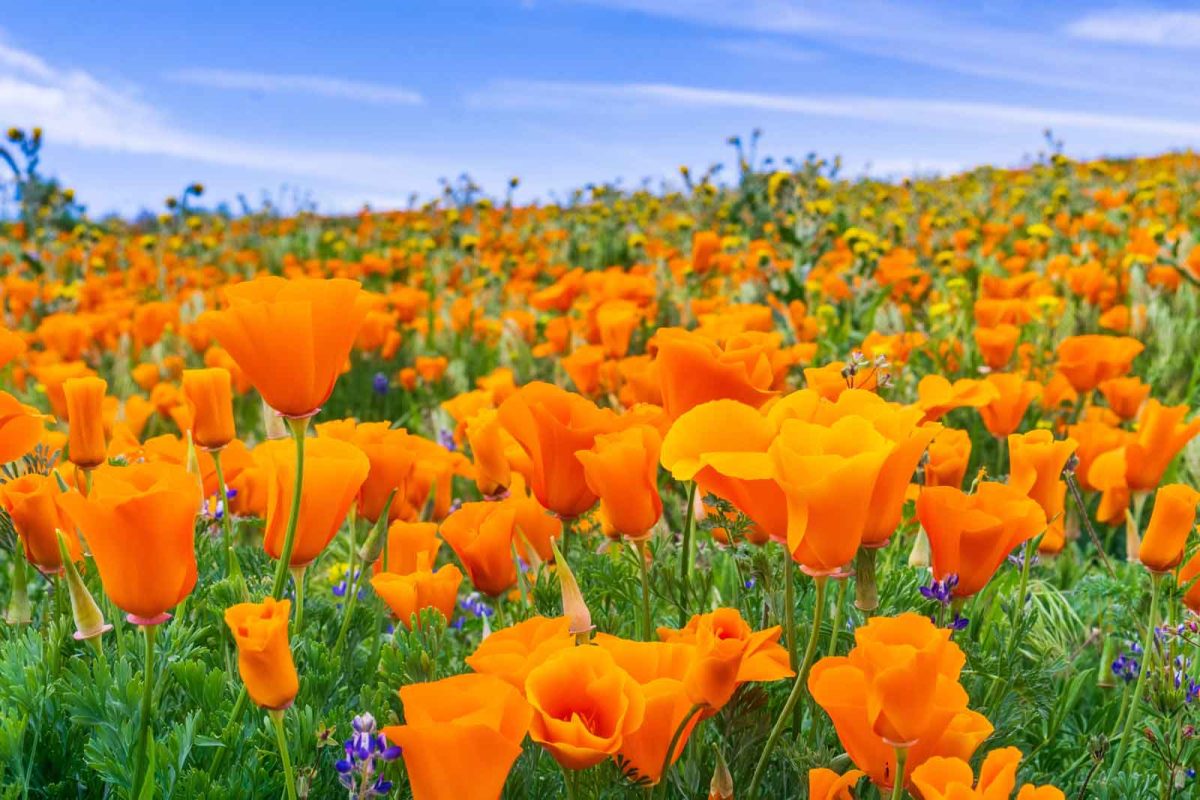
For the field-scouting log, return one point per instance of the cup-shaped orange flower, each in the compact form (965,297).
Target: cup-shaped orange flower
(693,369)
(583,706)
(410,594)
(260,631)
(552,425)
(970,535)
(139,524)
(461,736)
(997,344)
(825,784)
(407,544)
(1173,518)
(21,428)
(622,469)
(393,463)
(86,447)
(291,337)
(31,503)
(943,778)
(1036,461)
(936,396)
(949,454)
(334,472)
(1089,360)
(481,535)
(209,394)
(828,475)
(1161,434)
(511,653)
(1003,414)
(1125,396)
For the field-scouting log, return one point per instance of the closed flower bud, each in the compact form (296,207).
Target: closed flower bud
(574,606)
(264,655)
(209,393)
(85,398)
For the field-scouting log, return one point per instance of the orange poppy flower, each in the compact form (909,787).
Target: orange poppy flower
(583,706)
(410,594)
(1161,434)
(970,535)
(1125,396)
(949,454)
(692,369)
(209,395)
(31,503)
(392,465)
(260,631)
(290,337)
(334,471)
(825,784)
(461,736)
(481,535)
(936,396)
(1014,394)
(952,778)
(1089,360)
(1171,522)
(139,524)
(622,469)
(494,452)
(1036,462)
(511,653)
(1187,575)
(997,344)
(407,543)
(85,400)
(21,428)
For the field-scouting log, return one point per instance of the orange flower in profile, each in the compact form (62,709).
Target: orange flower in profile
(1036,462)
(552,425)
(828,475)
(1161,434)
(407,543)
(260,631)
(825,784)
(209,395)
(511,653)
(494,451)
(393,463)
(461,736)
(692,369)
(290,337)
(949,454)
(53,376)
(970,535)
(139,524)
(1003,414)
(952,779)
(583,367)
(1173,518)
(85,399)
(31,503)
(1088,361)
(1187,578)
(898,685)
(617,320)
(997,344)
(1125,395)
(410,594)
(481,535)
(936,396)
(21,428)
(334,472)
(583,706)
(622,469)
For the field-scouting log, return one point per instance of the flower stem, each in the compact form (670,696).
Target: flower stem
(662,774)
(838,609)
(1139,689)
(233,568)
(781,722)
(647,629)
(281,739)
(789,608)
(685,552)
(143,743)
(298,580)
(298,427)
(898,786)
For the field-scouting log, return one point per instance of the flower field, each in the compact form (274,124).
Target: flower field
(786,485)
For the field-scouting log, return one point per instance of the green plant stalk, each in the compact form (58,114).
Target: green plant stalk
(298,427)
(233,568)
(19,612)
(1139,688)
(685,553)
(898,786)
(1022,588)
(281,738)
(644,571)
(789,608)
(838,611)
(781,722)
(666,765)
(143,743)
(298,580)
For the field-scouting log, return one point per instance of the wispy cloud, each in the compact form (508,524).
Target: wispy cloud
(558,95)
(316,85)
(767,49)
(1144,27)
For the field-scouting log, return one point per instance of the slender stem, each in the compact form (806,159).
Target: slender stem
(647,629)
(898,786)
(569,783)
(838,609)
(667,759)
(298,580)
(232,567)
(19,612)
(1022,588)
(281,738)
(351,596)
(1139,689)
(797,689)
(1069,477)
(235,717)
(299,427)
(789,608)
(143,743)
(686,552)
(866,590)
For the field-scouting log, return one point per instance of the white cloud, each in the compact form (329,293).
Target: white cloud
(321,86)
(1146,27)
(558,95)
(769,49)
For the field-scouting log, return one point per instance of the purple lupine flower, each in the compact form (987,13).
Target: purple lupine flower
(366,751)
(380,383)
(942,591)
(446,440)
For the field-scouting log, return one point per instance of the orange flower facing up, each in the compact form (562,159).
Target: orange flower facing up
(139,523)
(494,451)
(825,784)
(1125,396)
(484,534)
(511,653)
(693,369)
(209,394)
(583,706)
(970,535)
(407,543)
(942,778)
(392,462)
(1161,434)
(21,428)
(898,686)
(552,425)
(1172,520)
(260,631)
(622,469)
(408,595)
(936,396)
(334,472)
(1087,361)
(31,503)
(997,344)
(1036,462)
(461,736)
(949,454)
(291,338)
(1014,394)
(85,400)
(828,475)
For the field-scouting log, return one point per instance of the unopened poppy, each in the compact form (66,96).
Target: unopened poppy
(622,469)
(260,631)
(31,504)
(86,446)
(209,393)
(1171,521)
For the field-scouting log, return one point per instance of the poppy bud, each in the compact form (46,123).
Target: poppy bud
(209,393)
(89,620)
(85,398)
(264,655)
(574,606)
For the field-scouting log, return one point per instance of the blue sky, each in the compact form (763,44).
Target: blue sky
(380,99)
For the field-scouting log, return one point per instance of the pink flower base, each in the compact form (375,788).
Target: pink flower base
(134,619)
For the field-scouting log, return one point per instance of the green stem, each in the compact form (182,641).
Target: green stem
(143,743)
(235,717)
(233,568)
(898,786)
(19,611)
(647,625)
(298,427)
(298,580)
(789,608)
(666,765)
(686,552)
(781,722)
(569,778)
(281,739)
(835,631)
(1022,588)
(1139,688)
(866,590)
(351,601)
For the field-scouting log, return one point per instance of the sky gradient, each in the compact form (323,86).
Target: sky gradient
(381,99)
